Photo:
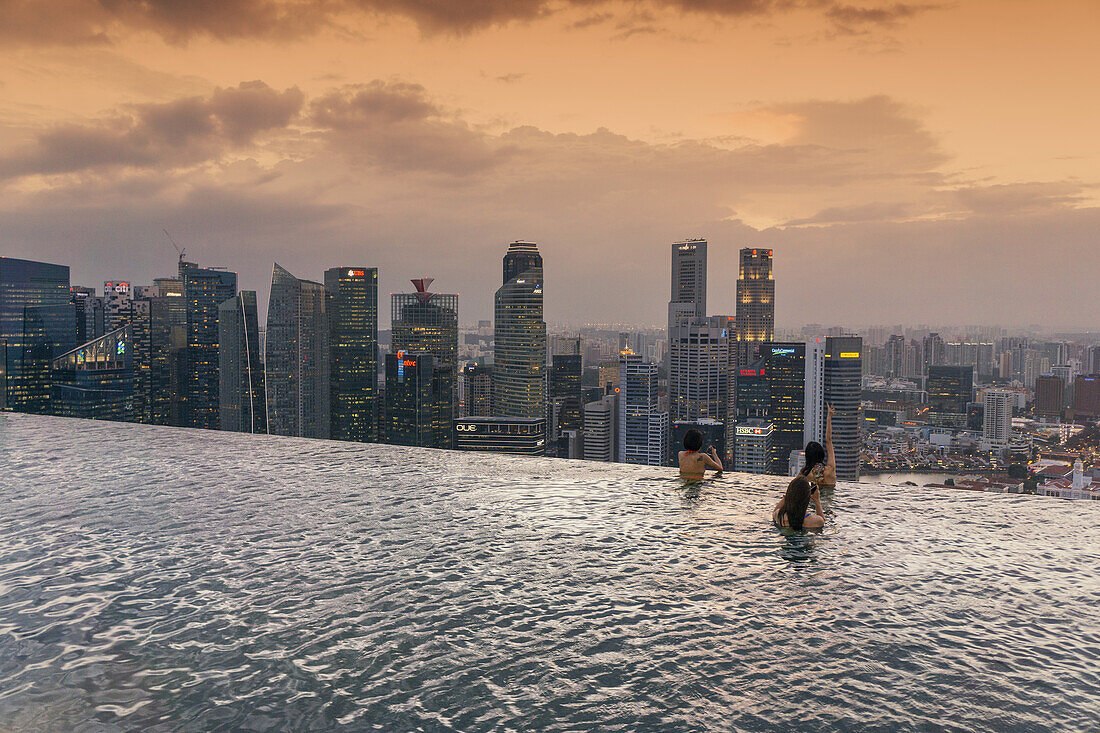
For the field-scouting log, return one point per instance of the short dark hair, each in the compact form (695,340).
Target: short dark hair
(693,440)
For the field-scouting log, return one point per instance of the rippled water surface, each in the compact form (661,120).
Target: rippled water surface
(165,579)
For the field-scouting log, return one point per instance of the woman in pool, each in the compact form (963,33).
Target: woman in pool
(794,509)
(694,464)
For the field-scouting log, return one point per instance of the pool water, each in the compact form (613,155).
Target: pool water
(169,579)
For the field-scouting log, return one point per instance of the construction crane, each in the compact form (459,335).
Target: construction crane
(179,250)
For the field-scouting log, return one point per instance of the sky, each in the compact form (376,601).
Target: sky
(908,162)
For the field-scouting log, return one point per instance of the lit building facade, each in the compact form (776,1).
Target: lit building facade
(241,394)
(351,305)
(415,397)
(204,290)
(795,374)
(37,322)
(754,452)
(427,323)
(477,390)
(96,380)
(519,362)
(755,315)
(519,436)
(843,381)
(297,357)
(567,406)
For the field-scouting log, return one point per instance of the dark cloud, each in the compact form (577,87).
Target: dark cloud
(854,19)
(178,21)
(181,132)
(850,214)
(1021,198)
(397,127)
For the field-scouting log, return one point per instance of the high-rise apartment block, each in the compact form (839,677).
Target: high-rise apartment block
(997,420)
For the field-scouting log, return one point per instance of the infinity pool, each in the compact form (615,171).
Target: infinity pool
(167,579)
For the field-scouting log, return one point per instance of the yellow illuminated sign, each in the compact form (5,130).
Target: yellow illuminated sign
(849,355)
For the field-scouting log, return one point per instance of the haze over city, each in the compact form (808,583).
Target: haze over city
(909,163)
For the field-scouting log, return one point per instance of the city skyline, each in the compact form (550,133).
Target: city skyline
(417,138)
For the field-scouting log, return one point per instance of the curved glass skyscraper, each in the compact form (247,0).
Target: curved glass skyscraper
(519,375)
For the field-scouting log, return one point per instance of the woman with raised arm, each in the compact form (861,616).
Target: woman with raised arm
(820,466)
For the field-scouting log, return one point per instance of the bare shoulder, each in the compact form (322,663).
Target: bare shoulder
(813,522)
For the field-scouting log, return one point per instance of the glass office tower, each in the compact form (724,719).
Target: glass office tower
(351,302)
(241,393)
(415,397)
(843,390)
(37,322)
(519,362)
(204,290)
(427,323)
(297,359)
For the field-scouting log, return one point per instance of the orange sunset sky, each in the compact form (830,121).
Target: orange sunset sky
(909,162)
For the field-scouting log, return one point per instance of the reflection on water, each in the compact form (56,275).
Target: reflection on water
(163,579)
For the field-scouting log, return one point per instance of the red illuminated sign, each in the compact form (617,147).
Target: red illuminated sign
(748,373)
(410,362)
(357,273)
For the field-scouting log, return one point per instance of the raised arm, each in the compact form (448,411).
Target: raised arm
(829,436)
(712,460)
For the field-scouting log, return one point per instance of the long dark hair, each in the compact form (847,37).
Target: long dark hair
(815,455)
(795,502)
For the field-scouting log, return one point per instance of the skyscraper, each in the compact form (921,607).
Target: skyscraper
(601,429)
(932,351)
(698,371)
(427,323)
(565,393)
(795,374)
(698,347)
(689,280)
(415,397)
(997,420)
(755,317)
(477,390)
(241,393)
(204,291)
(297,358)
(1050,396)
(843,380)
(96,379)
(352,308)
(519,378)
(643,430)
(950,389)
(37,322)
